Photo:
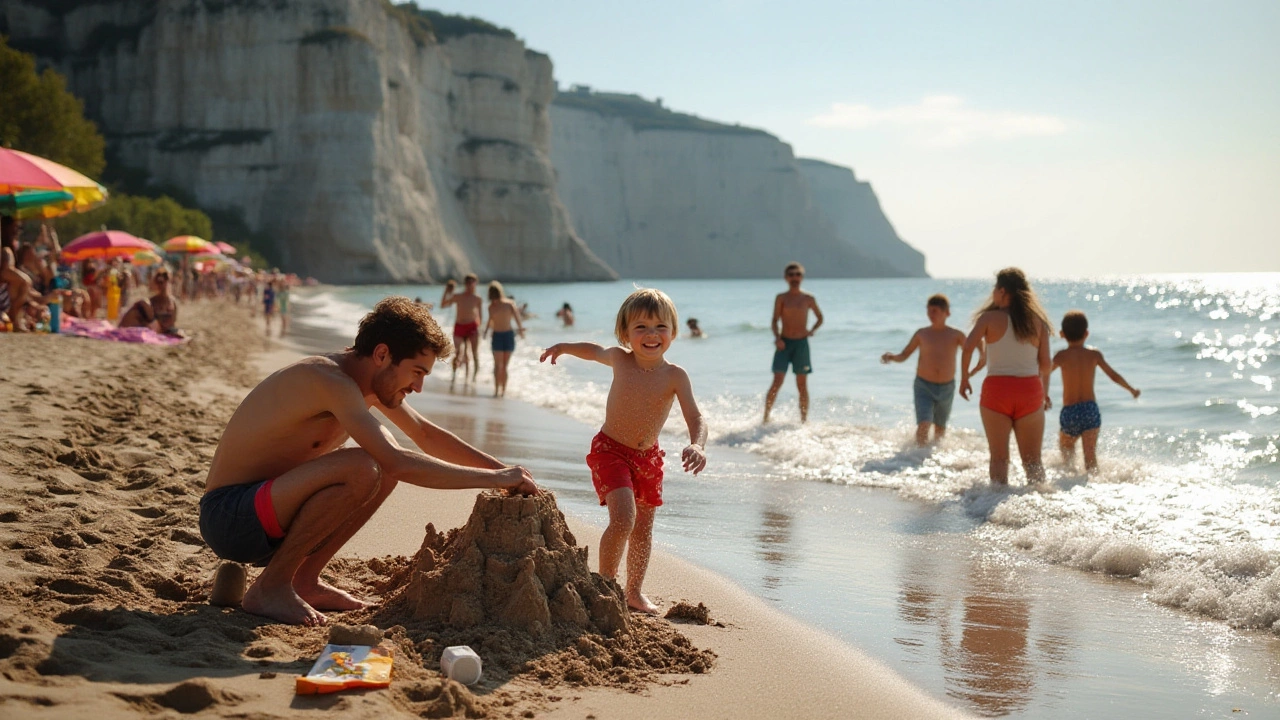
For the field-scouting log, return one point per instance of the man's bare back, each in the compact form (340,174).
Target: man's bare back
(281,424)
(1079,365)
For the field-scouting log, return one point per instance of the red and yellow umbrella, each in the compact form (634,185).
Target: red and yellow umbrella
(21,171)
(189,244)
(104,244)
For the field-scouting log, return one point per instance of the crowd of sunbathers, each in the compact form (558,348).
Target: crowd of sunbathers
(34,277)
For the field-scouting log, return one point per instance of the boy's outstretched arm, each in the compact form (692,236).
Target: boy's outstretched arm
(582,350)
(906,351)
(1115,377)
(776,323)
(694,456)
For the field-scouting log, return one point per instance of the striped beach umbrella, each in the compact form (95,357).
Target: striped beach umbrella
(21,171)
(104,244)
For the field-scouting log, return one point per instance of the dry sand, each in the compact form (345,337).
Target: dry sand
(104,579)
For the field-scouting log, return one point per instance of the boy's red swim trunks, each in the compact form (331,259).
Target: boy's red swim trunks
(614,465)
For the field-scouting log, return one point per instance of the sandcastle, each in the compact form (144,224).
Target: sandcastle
(514,563)
(514,585)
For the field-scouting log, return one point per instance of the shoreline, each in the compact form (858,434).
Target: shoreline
(105,579)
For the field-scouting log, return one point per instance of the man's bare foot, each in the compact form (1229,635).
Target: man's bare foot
(281,603)
(323,596)
(640,603)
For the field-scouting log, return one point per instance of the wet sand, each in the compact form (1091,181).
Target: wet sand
(103,604)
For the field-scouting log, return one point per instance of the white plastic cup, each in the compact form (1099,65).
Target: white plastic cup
(461,664)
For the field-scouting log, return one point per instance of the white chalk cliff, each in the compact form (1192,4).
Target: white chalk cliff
(853,208)
(363,147)
(660,194)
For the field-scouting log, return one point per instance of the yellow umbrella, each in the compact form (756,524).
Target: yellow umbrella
(189,244)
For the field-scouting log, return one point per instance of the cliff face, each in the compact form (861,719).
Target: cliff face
(854,210)
(657,194)
(367,151)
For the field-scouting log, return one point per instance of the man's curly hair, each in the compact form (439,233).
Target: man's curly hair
(405,327)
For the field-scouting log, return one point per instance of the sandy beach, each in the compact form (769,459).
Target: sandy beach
(104,603)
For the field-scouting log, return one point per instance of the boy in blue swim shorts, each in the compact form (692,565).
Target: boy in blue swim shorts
(1080,417)
(935,383)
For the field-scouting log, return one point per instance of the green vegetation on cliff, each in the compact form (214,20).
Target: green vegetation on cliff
(644,114)
(424,25)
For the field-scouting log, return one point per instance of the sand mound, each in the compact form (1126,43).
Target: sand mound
(514,585)
(692,613)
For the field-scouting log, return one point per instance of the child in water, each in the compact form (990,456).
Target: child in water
(935,383)
(1080,417)
(625,460)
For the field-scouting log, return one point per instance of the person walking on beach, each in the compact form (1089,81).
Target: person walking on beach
(466,325)
(1015,393)
(1080,417)
(502,312)
(283,492)
(625,460)
(935,383)
(791,334)
(269,301)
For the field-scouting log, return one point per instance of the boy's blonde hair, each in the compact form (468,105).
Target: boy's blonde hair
(646,301)
(496,291)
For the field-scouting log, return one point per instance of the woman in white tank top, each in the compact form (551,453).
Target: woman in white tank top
(1015,392)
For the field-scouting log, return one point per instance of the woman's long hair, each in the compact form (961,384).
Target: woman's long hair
(1024,309)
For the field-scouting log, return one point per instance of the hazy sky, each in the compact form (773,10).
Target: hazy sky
(1071,138)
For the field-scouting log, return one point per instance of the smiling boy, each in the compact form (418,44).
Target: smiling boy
(625,460)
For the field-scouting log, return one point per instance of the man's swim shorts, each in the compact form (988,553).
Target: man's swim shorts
(465,330)
(239,522)
(504,341)
(1079,418)
(933,401)
(1014,397)
(796,354)
(614,465)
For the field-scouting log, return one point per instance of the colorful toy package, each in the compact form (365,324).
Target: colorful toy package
(342,667)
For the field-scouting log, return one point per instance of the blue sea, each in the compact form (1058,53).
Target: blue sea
(1150,589)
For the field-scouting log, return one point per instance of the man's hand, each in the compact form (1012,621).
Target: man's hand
(965,388)
(694,458)
(1048,402)
(552,352)
(1136,392)
(886,358)
(518,481)
(781,345)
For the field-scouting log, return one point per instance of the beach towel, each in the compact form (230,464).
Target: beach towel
(104,330)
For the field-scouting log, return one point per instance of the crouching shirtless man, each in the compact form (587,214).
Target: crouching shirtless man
(283,493)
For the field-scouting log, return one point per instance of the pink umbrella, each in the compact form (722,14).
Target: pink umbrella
(104,244)
(225,247)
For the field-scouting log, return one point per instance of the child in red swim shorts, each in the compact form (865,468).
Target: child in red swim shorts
(625,460)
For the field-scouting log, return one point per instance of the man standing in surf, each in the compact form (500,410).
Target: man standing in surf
(791,333)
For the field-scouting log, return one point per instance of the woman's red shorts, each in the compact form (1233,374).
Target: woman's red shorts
(1015,397)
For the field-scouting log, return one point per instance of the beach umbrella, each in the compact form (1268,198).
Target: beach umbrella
(225,247)
(104,244)
(145,258)
(21,171)
(35,203)
(189,244)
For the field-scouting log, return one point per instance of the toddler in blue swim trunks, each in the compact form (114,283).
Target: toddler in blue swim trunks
(1080,417)
(935,383)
